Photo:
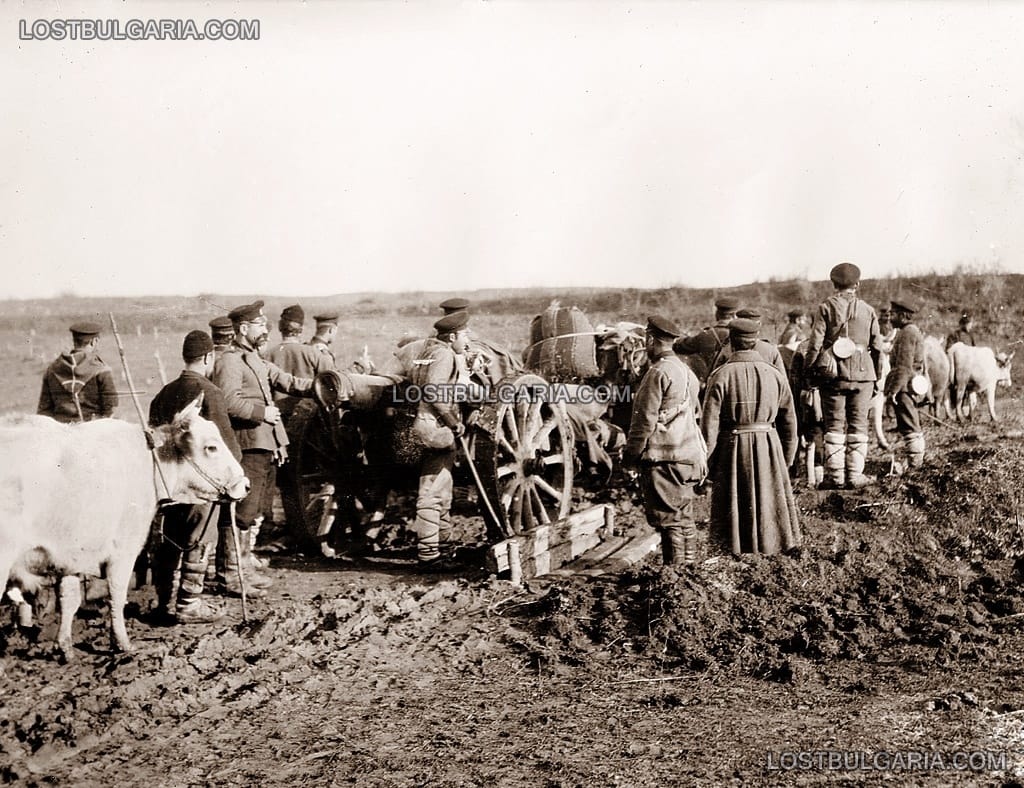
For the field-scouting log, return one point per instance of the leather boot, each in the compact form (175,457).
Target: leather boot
(227,568)
(835,461)
(690,543)
(191,607)
(673,544)
(914,446)
(856,456)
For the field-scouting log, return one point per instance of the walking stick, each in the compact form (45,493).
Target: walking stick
(238,567)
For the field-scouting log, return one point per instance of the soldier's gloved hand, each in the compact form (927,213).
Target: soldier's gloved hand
(271,415)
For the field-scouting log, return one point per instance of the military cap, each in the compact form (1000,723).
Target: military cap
(454,305)
(246,313)
(749,313)
(222,324)
(85,329)
(727,303)
(904,305)
(326,317)
(844,275)
(449,324)
(662,327)
(294,313)
(795,312)
(744,328)
(196,345)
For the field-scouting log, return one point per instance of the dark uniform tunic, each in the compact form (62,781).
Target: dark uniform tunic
(77,375)
(752,506)
(907,360)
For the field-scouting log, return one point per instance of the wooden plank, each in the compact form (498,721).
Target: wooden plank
(535,545)
(635,550)
(559,555)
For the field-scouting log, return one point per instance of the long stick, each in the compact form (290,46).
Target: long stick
(238,566)
(480,487)
(127,372)
(138,406)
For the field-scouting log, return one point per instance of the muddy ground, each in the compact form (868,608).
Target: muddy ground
(895,631)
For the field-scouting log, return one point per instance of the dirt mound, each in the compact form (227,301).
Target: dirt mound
(928,567)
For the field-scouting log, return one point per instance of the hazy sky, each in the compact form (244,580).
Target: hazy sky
(386,146)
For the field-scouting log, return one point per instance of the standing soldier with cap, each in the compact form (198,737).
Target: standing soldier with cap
(704,348)
(907,362)
(300,360)
(666,442)
(437,425)
(248,381)
(752,506)
(844,353)
(323,337)
(78,385)
(793,333)
(222,330)
(963,332)
(189,535)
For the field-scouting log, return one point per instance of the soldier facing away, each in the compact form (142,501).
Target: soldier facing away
(752,506)
(907,361)
(666,443)
(844,353)
(78,385)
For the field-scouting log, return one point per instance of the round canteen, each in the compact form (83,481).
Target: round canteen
(920,385)
(843,347)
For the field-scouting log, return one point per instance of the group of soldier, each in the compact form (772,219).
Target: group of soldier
(250,392)
(753,400)
(721,406)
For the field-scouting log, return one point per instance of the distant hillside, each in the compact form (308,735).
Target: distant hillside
(996,299)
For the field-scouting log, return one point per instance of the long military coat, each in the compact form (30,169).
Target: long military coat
(752,506)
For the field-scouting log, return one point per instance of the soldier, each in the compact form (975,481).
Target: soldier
(248,381)
(78,385)
(752,506)
(223,332)
(907,361)
(437,426)
(793,334)
(189,536)
(666,442)
(844,352)
(963,333)
(301,360)
(326,331)
(705,346)
(764,348)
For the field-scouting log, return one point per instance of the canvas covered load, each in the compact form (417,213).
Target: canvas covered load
(562,345)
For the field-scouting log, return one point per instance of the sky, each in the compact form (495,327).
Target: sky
(365,146)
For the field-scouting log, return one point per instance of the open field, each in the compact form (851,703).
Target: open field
(896,630)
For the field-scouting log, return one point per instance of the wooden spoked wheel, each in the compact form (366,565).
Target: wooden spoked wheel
(525,453)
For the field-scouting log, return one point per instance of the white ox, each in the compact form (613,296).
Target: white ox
(976,369)
(79,498)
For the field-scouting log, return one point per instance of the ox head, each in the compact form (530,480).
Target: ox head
(194,460)
(1003,362)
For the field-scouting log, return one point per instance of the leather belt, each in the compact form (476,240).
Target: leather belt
(756,426)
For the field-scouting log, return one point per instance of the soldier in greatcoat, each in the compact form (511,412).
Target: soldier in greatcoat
(752,506)
(666,443)
(78,385)
(844,353)
(907,360)
(248,383)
